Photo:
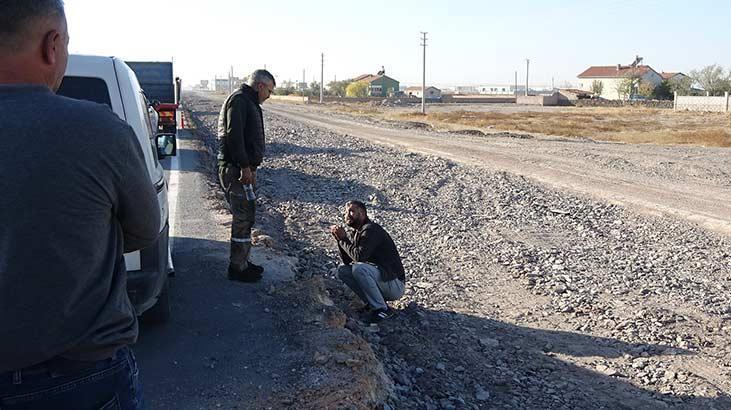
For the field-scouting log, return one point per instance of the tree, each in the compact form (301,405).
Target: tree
(625,87)
(357,89)
(314,89)
(681,85)
(597,86)
(663,91)
(713,79)
(646,89)
(338,87)
(284,90)
(629,84)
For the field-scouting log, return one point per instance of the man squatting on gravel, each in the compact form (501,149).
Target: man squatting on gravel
(240,152)
(373,268)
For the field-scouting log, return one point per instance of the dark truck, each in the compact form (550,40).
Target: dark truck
(156,80)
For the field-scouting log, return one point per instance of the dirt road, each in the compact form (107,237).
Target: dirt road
(691,183)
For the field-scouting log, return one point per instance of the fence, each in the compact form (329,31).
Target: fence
(695,103)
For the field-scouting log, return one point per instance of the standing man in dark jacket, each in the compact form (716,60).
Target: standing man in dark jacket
(240,152)
(373,268)
(74,195)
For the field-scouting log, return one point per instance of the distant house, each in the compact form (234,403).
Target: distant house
(432,93)
(222,84)
(494,89)
(379,85)
(499,89)
(466,90)
(611,76)
(675,77)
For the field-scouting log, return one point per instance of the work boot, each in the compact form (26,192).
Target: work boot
(248,275)
(256,268)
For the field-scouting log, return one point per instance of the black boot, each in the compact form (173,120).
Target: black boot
(256,268)
(247,275)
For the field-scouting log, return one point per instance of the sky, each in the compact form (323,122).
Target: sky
(468,42)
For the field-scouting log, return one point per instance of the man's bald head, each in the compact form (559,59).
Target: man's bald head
(33,42)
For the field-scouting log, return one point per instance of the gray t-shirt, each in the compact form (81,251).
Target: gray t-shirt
(74,195)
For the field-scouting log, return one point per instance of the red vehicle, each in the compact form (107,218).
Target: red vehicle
(163,93)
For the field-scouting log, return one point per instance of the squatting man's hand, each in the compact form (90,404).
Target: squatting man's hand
(338,232)
(247,176)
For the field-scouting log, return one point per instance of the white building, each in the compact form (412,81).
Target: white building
(432,93)
(221,84)
(497,89)
(612,76)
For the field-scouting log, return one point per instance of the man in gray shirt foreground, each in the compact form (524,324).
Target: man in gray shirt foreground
(74,195)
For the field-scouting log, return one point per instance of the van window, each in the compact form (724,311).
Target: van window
(86,88)
(145,107)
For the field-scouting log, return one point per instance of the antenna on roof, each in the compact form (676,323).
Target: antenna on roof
(383,71)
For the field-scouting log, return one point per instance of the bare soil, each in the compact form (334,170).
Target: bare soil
(635,125)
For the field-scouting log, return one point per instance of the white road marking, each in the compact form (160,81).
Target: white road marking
(173,192)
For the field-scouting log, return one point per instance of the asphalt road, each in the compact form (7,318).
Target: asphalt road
(217,351)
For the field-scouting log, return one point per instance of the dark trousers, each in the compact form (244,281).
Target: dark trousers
(243,212)
(67,384)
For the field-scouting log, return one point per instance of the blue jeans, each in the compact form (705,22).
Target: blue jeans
(109,384)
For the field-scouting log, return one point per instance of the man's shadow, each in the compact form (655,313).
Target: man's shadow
(518,367)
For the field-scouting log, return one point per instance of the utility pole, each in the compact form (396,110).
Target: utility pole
(527,67)
(552,86)
(231,80)
(304,85)
(322,75)
(423,76)
(516,84)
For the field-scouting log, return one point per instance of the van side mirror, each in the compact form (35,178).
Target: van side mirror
(167,145)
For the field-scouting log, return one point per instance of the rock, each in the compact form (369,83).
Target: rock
(265,240)
(423,285)
(489,342)
(440,366)
(481,394)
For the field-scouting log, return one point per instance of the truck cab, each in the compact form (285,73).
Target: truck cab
(109,81)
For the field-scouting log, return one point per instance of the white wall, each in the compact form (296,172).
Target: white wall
(693,103)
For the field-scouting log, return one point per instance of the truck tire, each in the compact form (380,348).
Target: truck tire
(159,313)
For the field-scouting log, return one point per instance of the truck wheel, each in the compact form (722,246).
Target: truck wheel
(160,312)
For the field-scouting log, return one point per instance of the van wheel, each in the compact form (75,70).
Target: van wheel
(160,312)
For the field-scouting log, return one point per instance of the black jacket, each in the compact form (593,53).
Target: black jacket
(241,129)
(371,243)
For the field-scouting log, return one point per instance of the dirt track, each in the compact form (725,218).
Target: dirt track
(692,183)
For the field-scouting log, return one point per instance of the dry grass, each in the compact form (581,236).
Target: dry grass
(631,125)
(358,109)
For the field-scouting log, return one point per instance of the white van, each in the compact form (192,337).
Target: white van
(109,81)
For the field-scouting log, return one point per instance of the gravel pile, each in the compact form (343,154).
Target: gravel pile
(518,295)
